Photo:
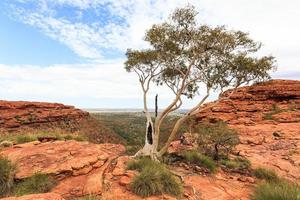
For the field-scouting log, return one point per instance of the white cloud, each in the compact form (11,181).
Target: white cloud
(273,22)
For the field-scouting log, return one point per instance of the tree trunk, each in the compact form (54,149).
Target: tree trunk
(149,148)
(216,156)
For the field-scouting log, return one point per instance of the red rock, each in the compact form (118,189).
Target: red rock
(45,196)
(78,166)
(248,105)
(257,112)
(15,114)
(125,181)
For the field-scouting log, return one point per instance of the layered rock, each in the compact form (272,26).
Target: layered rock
(278,99)
(18,114)
(267,118)
(77,166)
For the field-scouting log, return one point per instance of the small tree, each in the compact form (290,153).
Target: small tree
(216,139)
(185,56)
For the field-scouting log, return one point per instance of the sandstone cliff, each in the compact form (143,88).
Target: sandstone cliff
(22,117)
(18,114)
(276,100)
(267,118)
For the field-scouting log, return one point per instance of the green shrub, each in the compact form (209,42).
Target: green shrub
(142,163)
(38,183)
(231,164)
(237,163)
(216,140)
(25,138)
(68,137)
(193,157)
(170,184)
(147,183)
(154,179)
(80,138)
(169,158)
(7,171)
(280,190)
(267,174)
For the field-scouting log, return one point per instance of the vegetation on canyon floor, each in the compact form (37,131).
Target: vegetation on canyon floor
(38,183)
(278,190)
(154,179)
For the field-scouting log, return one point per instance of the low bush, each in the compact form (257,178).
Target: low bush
(25,138)
(266,174)
(80,138)
(216,140)
(193,157)
(154,179)
(7,171)
(237,163)
(169,158)
(280,190)
(38,183)
(142,163)
(68,137)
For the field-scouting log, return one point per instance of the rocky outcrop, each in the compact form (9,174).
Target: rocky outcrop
(267,118)
(19,114)
(77,166)
(277,100)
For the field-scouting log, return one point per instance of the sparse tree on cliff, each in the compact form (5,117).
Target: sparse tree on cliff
(185,56)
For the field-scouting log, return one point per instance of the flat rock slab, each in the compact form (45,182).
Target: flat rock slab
(78,166)
(60,158)
(45,196)
(219,188)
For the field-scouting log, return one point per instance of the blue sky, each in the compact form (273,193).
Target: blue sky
(72,51)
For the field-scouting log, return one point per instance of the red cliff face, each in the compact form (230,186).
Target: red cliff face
(267,118)
(276,100)
(19,114)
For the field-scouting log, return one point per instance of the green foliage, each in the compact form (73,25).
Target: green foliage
(68,137)
(131,128)
(193,157)
(154,179)
(142,163)
(275,110)
(7,171)
(214,56)
(38,183)
(268,116)
(147,183)
(216,140)
(280,190)
(238,163)
(25,138)
(267,174)
(169,158)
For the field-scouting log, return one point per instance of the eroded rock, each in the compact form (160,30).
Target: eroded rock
(78,166)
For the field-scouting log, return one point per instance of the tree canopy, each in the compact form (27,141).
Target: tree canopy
(185,55)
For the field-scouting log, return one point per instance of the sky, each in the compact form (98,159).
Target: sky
(72,51)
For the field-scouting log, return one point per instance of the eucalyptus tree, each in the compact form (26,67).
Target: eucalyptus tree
(186,57)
